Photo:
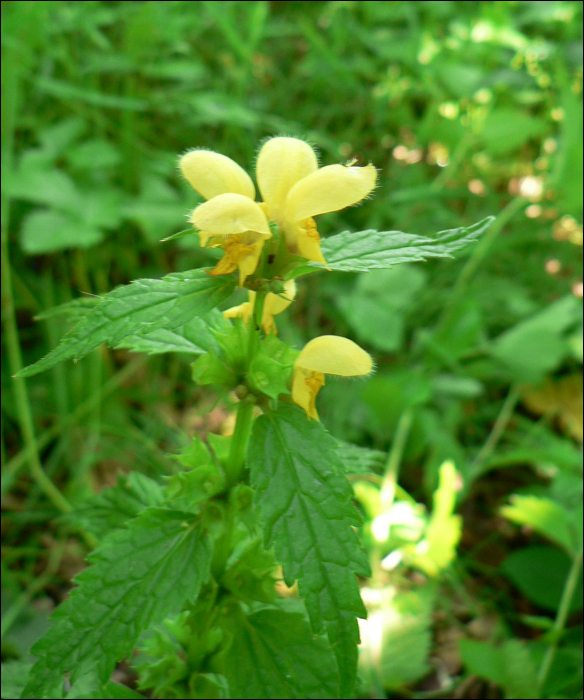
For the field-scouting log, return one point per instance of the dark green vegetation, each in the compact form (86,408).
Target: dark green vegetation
(469,110)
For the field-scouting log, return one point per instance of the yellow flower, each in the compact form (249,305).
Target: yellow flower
(294,191)
(273,304)
(327,354)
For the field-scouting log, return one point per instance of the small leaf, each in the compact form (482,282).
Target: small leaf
(360,460)
(48,230)
(202,480)
(371,250)
(139,308)
(544,516)
(275,655)
(113,507)
(137,577)
(308,515)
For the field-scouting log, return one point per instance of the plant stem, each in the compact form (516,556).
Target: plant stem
(498,429)
(13,466)
(240,439)
(560,621)
(478,255)
(26,596)
(255,324)
(389,484)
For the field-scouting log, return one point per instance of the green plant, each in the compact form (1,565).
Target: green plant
(189,579)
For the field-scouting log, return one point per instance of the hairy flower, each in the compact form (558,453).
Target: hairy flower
(327,354)
(274,304)
(294,190)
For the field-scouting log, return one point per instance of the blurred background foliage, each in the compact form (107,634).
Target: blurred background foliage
(468,109)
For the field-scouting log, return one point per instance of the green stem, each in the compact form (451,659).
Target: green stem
(560,621)
(13,466)
(255,324)
(26,596)
(499,427)
(239,440)
(478,255)
(389,484)
(23,411)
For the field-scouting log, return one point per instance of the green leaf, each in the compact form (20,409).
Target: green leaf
(360,460)
(544,516)
(14,678)
(371,250)
(540,573)
(308,516)
(138,577)
(538,345)
(275,655)
(269,376)
(510,665)
(202,480)
(113,507)
(139,308)
(195,337)
(507,129)
(48,230)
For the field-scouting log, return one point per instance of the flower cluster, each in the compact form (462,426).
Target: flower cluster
(294,190)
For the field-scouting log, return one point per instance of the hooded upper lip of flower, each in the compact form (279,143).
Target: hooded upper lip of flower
(327,354)
(293,187)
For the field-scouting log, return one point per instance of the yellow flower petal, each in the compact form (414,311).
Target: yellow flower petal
(305,388)
(331,188)
(332,354)
(229,214)
(308,242)
(212,174)
(274,304)
(242,251)
(282,162)
(243,311)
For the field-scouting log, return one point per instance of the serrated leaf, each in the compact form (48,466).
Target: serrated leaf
(202,480)
(373,250)
(545,516)
(137,577)
(139,308)
(195,337)
(76,308)
(113,507)
(360,460)
(275,655)
(308,516)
